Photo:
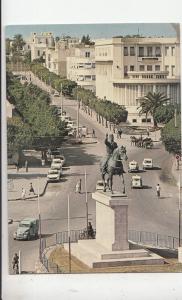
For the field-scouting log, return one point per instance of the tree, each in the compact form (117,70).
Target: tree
(150,103)
(18,43)
(171,136)
(164,113)
(27,57)
(86,40)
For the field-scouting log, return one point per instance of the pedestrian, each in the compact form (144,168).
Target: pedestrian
(26,166)
(17,167)
(93,132)
(23,193)
(31,190)
(120,133)
(15,262)
(78,186)
(158,189)
(90,231)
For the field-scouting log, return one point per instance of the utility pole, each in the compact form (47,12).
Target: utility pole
(40,241)
(78,106)
(86,201)
(69,240)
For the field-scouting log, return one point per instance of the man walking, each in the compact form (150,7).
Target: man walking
(15,262)
(23,193)
(158,189)
(31,190)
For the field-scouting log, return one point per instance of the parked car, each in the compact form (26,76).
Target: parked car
(133,166)
(63,159)
(53,175)
(100,185)
(136,182)
(65,118)
(56,164)
(56,94)
(147,163)
(70,124)
(27,229)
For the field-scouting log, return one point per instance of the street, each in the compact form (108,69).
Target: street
(146,211)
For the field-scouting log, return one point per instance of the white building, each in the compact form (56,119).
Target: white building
(128,68)
(81,67)
(56,57)
(39,42)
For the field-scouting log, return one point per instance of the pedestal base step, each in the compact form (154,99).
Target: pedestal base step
(95,255)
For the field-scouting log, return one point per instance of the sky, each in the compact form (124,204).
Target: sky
(95,30)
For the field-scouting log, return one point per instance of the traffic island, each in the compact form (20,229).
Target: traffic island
(111,246)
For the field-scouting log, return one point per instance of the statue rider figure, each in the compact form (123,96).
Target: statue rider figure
(110,146)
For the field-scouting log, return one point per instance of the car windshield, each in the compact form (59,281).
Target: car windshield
(148,161)
(137,179)
(133,164)
(100,183)
(24,225)
(56,161)
(53,172)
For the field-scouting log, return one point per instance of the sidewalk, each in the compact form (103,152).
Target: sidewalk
(22,179)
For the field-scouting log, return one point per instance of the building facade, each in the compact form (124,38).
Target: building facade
(55,58)
(81,67)
(39,43)
(128,68)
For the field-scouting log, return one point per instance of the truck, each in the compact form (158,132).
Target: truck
(27,229)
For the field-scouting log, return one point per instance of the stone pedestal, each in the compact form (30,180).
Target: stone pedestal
(111,247)
(111,220)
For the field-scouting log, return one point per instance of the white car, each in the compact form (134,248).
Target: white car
(63,159)
(54,175)
(147,163)
(133,166)
(136,182)
(56,94)
(56,164)
(100,185)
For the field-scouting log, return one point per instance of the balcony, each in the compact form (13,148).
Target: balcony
(145,58)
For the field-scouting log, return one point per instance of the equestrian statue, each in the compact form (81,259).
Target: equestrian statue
(112,163)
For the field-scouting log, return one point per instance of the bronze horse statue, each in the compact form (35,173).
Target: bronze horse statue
(113,166)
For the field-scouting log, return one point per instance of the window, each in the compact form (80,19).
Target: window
(93,77)
(173,70)
(134,120)
(157,68)
(87,54)
(141,51)
(158,51)
(132,51)
(132,68)
(167,68)
(88,77)
(149,68)
(172,51)
(166,51)
(149,51)
(93,65)
(125,51)
(38,52)
(142,68)
(125,70)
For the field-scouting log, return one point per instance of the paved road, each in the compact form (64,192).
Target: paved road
(146,212)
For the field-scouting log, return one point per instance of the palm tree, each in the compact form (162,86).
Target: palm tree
(150,103)
(18,43)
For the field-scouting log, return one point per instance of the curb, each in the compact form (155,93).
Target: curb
(32,197)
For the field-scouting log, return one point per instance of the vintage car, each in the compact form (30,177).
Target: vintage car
(54,175)
(147,163)
(133,166)
(136,182)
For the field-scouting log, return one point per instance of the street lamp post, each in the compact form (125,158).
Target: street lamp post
(86,201)
(69,240)
(40,241)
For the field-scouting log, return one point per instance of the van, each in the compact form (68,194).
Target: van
(27,229)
